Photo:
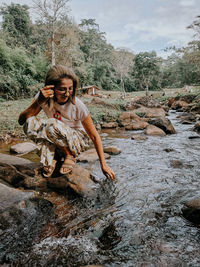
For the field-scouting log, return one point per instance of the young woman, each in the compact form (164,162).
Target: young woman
(68,126)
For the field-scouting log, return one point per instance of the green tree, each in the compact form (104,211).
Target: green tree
(146,71)
(178,71)
(16,24)
(123,63)
(97,53)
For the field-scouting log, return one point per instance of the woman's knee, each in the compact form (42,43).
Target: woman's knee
(31,126)
(53,128)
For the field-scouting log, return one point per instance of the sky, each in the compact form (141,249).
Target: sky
(139,25)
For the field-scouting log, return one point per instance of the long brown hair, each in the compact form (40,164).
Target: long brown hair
(58,72)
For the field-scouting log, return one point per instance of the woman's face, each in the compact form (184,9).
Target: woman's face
(63,90)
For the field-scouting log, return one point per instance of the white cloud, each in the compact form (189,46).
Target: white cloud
(187,3)
(139,24)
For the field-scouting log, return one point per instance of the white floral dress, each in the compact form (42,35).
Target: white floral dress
(50,133)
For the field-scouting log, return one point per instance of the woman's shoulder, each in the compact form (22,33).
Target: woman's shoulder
(81,109)
(79,102)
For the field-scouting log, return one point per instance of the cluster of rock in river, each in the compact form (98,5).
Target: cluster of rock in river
(24,212)
(145,113)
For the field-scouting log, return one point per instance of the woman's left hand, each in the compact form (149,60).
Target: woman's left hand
(108,172)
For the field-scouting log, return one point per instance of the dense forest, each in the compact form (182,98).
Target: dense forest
(28,48)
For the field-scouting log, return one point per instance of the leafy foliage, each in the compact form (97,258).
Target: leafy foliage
(146,72)
(17,23)
(27,49)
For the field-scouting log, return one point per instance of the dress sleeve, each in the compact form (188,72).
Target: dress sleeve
(83,111)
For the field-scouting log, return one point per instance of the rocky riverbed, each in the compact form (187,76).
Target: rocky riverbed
(82,219)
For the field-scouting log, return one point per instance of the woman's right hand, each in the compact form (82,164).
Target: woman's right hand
(46,92)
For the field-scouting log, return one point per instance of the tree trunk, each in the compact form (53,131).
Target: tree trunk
(53,59)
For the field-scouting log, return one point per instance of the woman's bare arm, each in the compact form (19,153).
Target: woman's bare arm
(30,111)
(35,108)
(93,134)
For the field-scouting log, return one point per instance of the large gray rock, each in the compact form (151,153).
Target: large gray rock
(10,196)
(13,160)
(30,177)
(164,124)
(79,180)
(23,148)
(22,218)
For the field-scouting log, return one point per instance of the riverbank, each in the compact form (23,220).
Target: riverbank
(10,110)
(140,214)
(106,107)
(134,221)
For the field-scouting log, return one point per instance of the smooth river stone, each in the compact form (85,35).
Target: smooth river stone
(112,150)
(90,156)
(23,148)
(13,160)
(154,131)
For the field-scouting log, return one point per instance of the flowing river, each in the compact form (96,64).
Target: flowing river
(137,220)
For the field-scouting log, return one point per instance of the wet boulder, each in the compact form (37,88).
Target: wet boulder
(176,163)
(138,137)
(187,118)
(179,105)
(90,156)
(127,117)
(166,108)
(170,101)
(151,112)
(23,148)
(164,124)
(197,127)
(112,150)
(30,177)
(146,101)
(154,131)
(79,180)
(137,125)
(22,217)
(169,150)
(191,211)
(109,125)
(27,175)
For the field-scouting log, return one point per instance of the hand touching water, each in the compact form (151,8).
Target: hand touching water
(108,172)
